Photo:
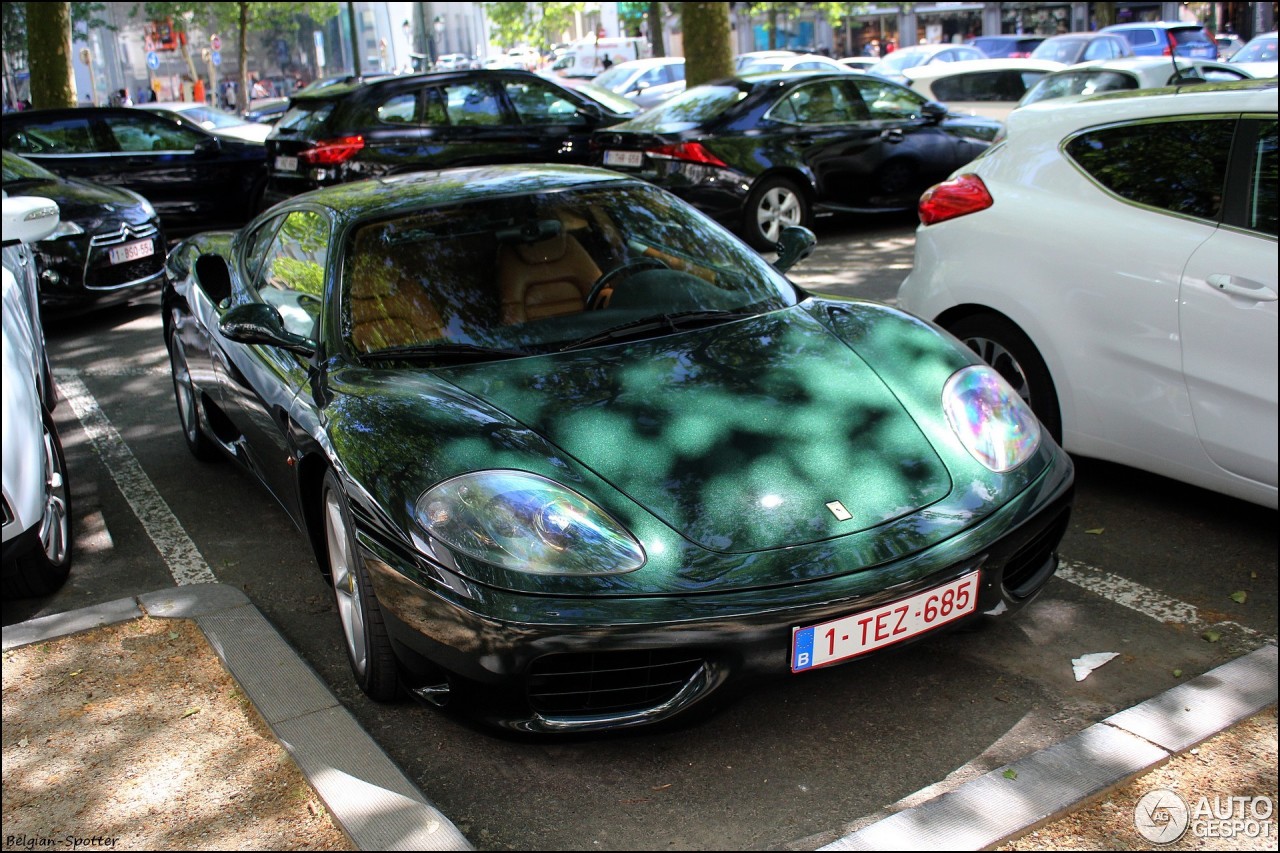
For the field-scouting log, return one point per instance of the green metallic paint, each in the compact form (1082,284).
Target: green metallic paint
(715,416)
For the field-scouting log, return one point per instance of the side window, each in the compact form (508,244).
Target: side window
(292,274)
(151,133)
(885,101)
(1141,38)
(66,136)
(981,86)
(256,246)
(1098,49)
(1177,166)
(473,104)
(537,103)
(1262,203)
(400,109)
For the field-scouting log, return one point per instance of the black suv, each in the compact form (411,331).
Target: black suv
(365,129)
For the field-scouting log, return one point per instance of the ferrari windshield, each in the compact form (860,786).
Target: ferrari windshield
(539,272)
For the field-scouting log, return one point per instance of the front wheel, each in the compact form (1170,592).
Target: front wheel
(1007,348)
(369,651)
(198,443)
(774,203)
(44,569)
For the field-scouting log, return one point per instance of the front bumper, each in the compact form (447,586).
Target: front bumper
(544,664)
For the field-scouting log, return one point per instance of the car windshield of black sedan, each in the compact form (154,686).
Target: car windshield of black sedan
(542,272)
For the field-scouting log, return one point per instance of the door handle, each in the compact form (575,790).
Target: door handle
(893,134)
(1229,284)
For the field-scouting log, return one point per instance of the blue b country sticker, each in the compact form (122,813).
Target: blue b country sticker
(801,649)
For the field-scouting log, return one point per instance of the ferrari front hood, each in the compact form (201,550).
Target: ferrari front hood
(754,435)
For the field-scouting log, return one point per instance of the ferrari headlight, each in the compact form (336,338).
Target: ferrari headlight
(526,523)
(991,419)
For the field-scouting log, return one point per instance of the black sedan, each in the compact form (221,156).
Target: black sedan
(365,128)
(577,458)
(195,179)
(765,151)
(108,247)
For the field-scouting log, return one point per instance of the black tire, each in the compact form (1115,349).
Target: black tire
(773,204)
(184,391)
(44,569)
(369,651)
(1007,348)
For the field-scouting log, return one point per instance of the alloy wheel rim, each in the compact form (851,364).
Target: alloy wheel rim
(55,526)
(182,387)
(778,208)
(346,586)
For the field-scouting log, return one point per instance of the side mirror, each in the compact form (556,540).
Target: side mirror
(260,323)
(794,245)
(934,112)
(208,147)
(29,219)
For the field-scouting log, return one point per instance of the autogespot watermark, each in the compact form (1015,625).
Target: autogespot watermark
(1163,817)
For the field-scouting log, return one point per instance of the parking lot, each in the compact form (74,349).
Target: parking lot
(1150,567)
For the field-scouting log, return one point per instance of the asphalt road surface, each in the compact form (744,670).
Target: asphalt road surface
(1149,567)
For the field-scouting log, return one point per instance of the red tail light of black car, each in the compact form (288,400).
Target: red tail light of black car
(330,152)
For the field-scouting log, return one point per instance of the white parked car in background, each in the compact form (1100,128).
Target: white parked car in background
(37,499)
(1258,57)
(1114,258)
(985,87)
(1129,73)
(211,119)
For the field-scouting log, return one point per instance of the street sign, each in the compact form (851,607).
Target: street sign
(215,43)
(216,57)
(153,60)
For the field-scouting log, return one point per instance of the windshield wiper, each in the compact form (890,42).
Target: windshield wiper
(658,322)
(448,352)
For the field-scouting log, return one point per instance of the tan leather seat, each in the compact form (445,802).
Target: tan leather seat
(544,279)
(387,312)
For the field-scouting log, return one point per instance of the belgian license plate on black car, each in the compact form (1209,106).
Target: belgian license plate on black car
(131,252)
(286,164)
(630,159)
(850,636)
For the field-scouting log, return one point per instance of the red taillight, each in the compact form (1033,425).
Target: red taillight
(1019,54)
(330,152)
(1172,46)
(690,152)
(956,197)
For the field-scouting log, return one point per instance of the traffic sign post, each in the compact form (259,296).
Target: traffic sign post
(153,60)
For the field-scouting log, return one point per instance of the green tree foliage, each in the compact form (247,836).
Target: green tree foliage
(49,51)
(707,26)
(534,24)
(13,32)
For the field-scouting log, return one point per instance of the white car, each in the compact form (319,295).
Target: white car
(37,499)
(1129,73)
(1114,257)
(894,64)
(795,62)
(1258,57)
(211,119)
(648,82)
(985,87)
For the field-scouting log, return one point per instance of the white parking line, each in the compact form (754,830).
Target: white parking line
(1139,598)
(171,540)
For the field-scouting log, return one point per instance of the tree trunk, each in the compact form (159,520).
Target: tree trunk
(708,49)
(1104,14)
(49,55)
(773,27)
(242,95)
(655,29)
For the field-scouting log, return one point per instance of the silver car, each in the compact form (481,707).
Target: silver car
(37,499)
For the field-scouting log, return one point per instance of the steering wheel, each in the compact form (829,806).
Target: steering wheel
(627,269)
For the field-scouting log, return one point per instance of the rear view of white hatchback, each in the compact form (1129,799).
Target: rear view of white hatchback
(1115,259)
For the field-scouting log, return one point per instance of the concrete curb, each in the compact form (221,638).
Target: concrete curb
(1047,784)
(368,795)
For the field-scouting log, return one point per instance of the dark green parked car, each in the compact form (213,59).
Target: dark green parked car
(576,458)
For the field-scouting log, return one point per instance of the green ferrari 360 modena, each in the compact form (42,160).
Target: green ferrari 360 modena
(576,458)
